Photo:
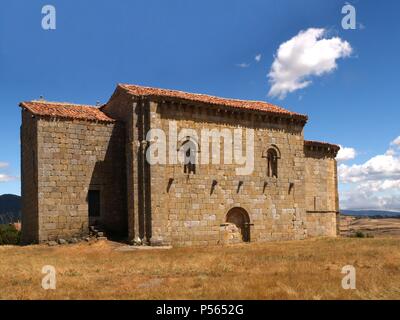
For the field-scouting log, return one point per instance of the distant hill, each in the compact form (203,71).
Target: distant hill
(10,208)
(370,213)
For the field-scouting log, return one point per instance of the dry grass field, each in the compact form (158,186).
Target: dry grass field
(309,269)
(373,227)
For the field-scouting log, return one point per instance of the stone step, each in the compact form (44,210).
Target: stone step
(97,232)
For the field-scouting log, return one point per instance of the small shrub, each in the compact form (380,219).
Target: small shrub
(9,235)
(359,234)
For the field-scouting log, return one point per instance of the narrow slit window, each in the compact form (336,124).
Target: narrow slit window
(272,159)
(190,151)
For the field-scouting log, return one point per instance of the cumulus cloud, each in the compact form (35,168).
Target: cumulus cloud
(396,142)
(307,54)
(380,167)
(374,184)
(258,57)
(345,154)
(370,201)
(379,185)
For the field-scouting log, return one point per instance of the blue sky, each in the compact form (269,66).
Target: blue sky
(198,46)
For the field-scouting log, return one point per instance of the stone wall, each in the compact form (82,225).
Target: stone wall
(321,193)
(160,204)
(74,157)
(29,183)
(187,210)
(123,108)
(322,224)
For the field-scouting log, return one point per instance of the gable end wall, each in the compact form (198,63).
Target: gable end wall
(322,203)
(73,157)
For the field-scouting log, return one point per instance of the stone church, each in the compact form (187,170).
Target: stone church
(88,166)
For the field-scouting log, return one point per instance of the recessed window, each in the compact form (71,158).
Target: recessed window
(189,151)
(272,167)
(94,203)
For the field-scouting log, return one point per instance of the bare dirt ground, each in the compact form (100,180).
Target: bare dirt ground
(384,227)
(309,269)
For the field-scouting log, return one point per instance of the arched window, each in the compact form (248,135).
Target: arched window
(272,159)
(189,149)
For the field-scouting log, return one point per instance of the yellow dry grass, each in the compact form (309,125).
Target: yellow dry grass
(309,269)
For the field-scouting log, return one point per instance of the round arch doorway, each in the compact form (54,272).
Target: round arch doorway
(239,217)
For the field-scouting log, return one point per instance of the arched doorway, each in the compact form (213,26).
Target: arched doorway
(240,218)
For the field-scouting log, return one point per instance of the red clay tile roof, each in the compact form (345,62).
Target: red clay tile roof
(311,143)
(65,110)
(202,98)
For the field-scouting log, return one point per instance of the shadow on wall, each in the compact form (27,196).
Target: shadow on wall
(106,197)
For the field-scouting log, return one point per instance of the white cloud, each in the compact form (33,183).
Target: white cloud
(380,167)
(366,200)
(3,165)
(345,154)
(243,65)
(396,142)
(6,178)
(307,54)
(374,184)
(379,185)
(394,146)
(258,57)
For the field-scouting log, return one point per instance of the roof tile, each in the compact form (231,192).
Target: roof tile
(207,99)
(65,110)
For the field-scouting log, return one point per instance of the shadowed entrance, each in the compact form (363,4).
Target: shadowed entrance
(240,218)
